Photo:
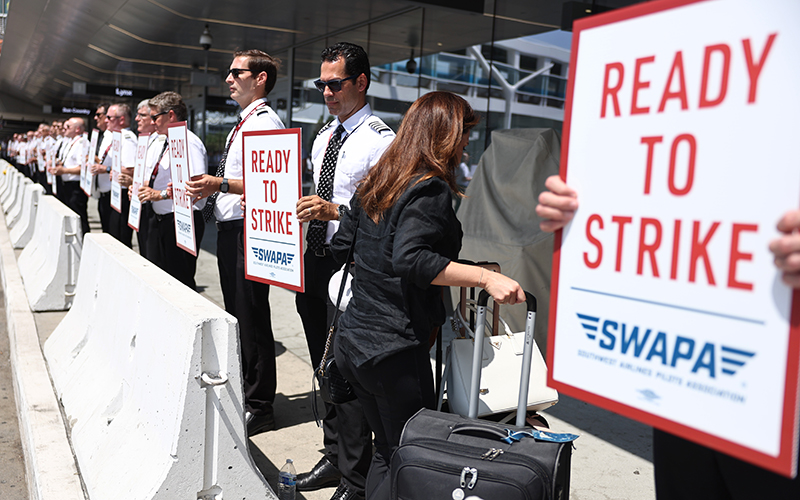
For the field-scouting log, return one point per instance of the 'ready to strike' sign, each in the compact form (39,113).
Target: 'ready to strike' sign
(272,184)
(180,172)
(135,210)
(666,306)
(86,172)
(116,169)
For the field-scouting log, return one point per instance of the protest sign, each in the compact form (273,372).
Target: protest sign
(181,201)
(135,211)
(272,186)
(116,169)
(666,306)
(86,173)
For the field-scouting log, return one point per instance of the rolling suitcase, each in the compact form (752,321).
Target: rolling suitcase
(445,456)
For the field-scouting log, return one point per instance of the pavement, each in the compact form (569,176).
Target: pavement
(612,458)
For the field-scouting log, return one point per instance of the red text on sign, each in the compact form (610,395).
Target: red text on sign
(716,68)
(651,234)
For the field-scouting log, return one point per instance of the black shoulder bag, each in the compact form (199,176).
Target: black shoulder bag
(333,387)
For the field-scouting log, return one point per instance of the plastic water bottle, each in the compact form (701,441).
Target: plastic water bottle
(286,481)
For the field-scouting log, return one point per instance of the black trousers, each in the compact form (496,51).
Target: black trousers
(144,227)
(248,301)
(688,471)
(163,251)
(41,178)
(118,221)
(71,195)
(104,211)
(346,434)
(390,392)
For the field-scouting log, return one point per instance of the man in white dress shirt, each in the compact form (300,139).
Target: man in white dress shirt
(162,248)
(251,77)
(361,138)
(68,167)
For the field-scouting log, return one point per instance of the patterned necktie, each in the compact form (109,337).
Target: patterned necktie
(317,229)
(211,202)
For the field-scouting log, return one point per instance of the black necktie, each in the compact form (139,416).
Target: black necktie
(317,229)
(208,210)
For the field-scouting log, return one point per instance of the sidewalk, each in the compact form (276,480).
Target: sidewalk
(612,458)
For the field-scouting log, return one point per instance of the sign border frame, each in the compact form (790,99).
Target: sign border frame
(785,463)
(301,233)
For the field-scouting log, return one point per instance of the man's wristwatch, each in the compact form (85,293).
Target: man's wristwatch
(341,209)
(164,194)
(224,187)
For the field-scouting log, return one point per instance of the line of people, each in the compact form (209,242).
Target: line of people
(392,194)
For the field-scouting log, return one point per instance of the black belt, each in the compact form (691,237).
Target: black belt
(230,225)
(323,251)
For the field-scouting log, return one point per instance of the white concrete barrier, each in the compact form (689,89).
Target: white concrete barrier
(15,209)
(22,231)
(9,173)
(50,468)
(30,192)
(49,262)
(16,185)
(149,377)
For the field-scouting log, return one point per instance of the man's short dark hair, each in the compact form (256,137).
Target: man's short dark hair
(258,61)
(356,61)
(169,100)
(104,105)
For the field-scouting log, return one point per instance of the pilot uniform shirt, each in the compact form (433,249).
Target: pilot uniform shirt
(365,138)
(127,157)
(45,143)
(72,156)
(102,184)
(228,206)
(154,146)
(197,166)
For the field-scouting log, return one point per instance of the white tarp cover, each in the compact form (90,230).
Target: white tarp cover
(499,219)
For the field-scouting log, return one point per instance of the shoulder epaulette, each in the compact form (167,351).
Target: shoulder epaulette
(379,127)
(326,127)
(265,110)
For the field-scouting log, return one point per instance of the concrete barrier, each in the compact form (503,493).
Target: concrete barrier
(148,373)
(49,262)
(9,173)
(22,230)
(50,468)
(26,199)
(11,195)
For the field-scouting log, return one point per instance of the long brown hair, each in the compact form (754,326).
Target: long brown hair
(426,144)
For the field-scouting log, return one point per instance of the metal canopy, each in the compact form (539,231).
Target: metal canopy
(154,44)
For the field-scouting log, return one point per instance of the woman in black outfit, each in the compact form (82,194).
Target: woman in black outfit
(407,238)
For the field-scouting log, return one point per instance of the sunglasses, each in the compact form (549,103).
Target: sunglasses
(236,72)
(334,85)
(153,117)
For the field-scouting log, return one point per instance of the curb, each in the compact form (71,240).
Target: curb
(49,462)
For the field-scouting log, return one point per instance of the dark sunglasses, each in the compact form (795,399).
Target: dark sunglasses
(153,117)
(236,72)
(334,85)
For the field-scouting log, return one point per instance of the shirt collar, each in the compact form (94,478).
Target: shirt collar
(252,106)
(356,120)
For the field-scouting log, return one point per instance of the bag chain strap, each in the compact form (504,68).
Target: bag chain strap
(350,253)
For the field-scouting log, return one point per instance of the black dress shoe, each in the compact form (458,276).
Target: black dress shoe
(256,424)
(345,492)
(323,475)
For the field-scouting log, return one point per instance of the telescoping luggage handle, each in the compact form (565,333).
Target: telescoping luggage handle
(477,356)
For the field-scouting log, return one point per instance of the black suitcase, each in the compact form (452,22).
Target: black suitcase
(446,456)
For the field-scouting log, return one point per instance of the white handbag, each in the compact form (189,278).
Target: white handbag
(333,288)
(501,366)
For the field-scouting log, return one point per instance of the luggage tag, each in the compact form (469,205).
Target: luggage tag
(552,437)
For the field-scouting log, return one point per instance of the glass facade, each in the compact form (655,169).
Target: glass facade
(512,83)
